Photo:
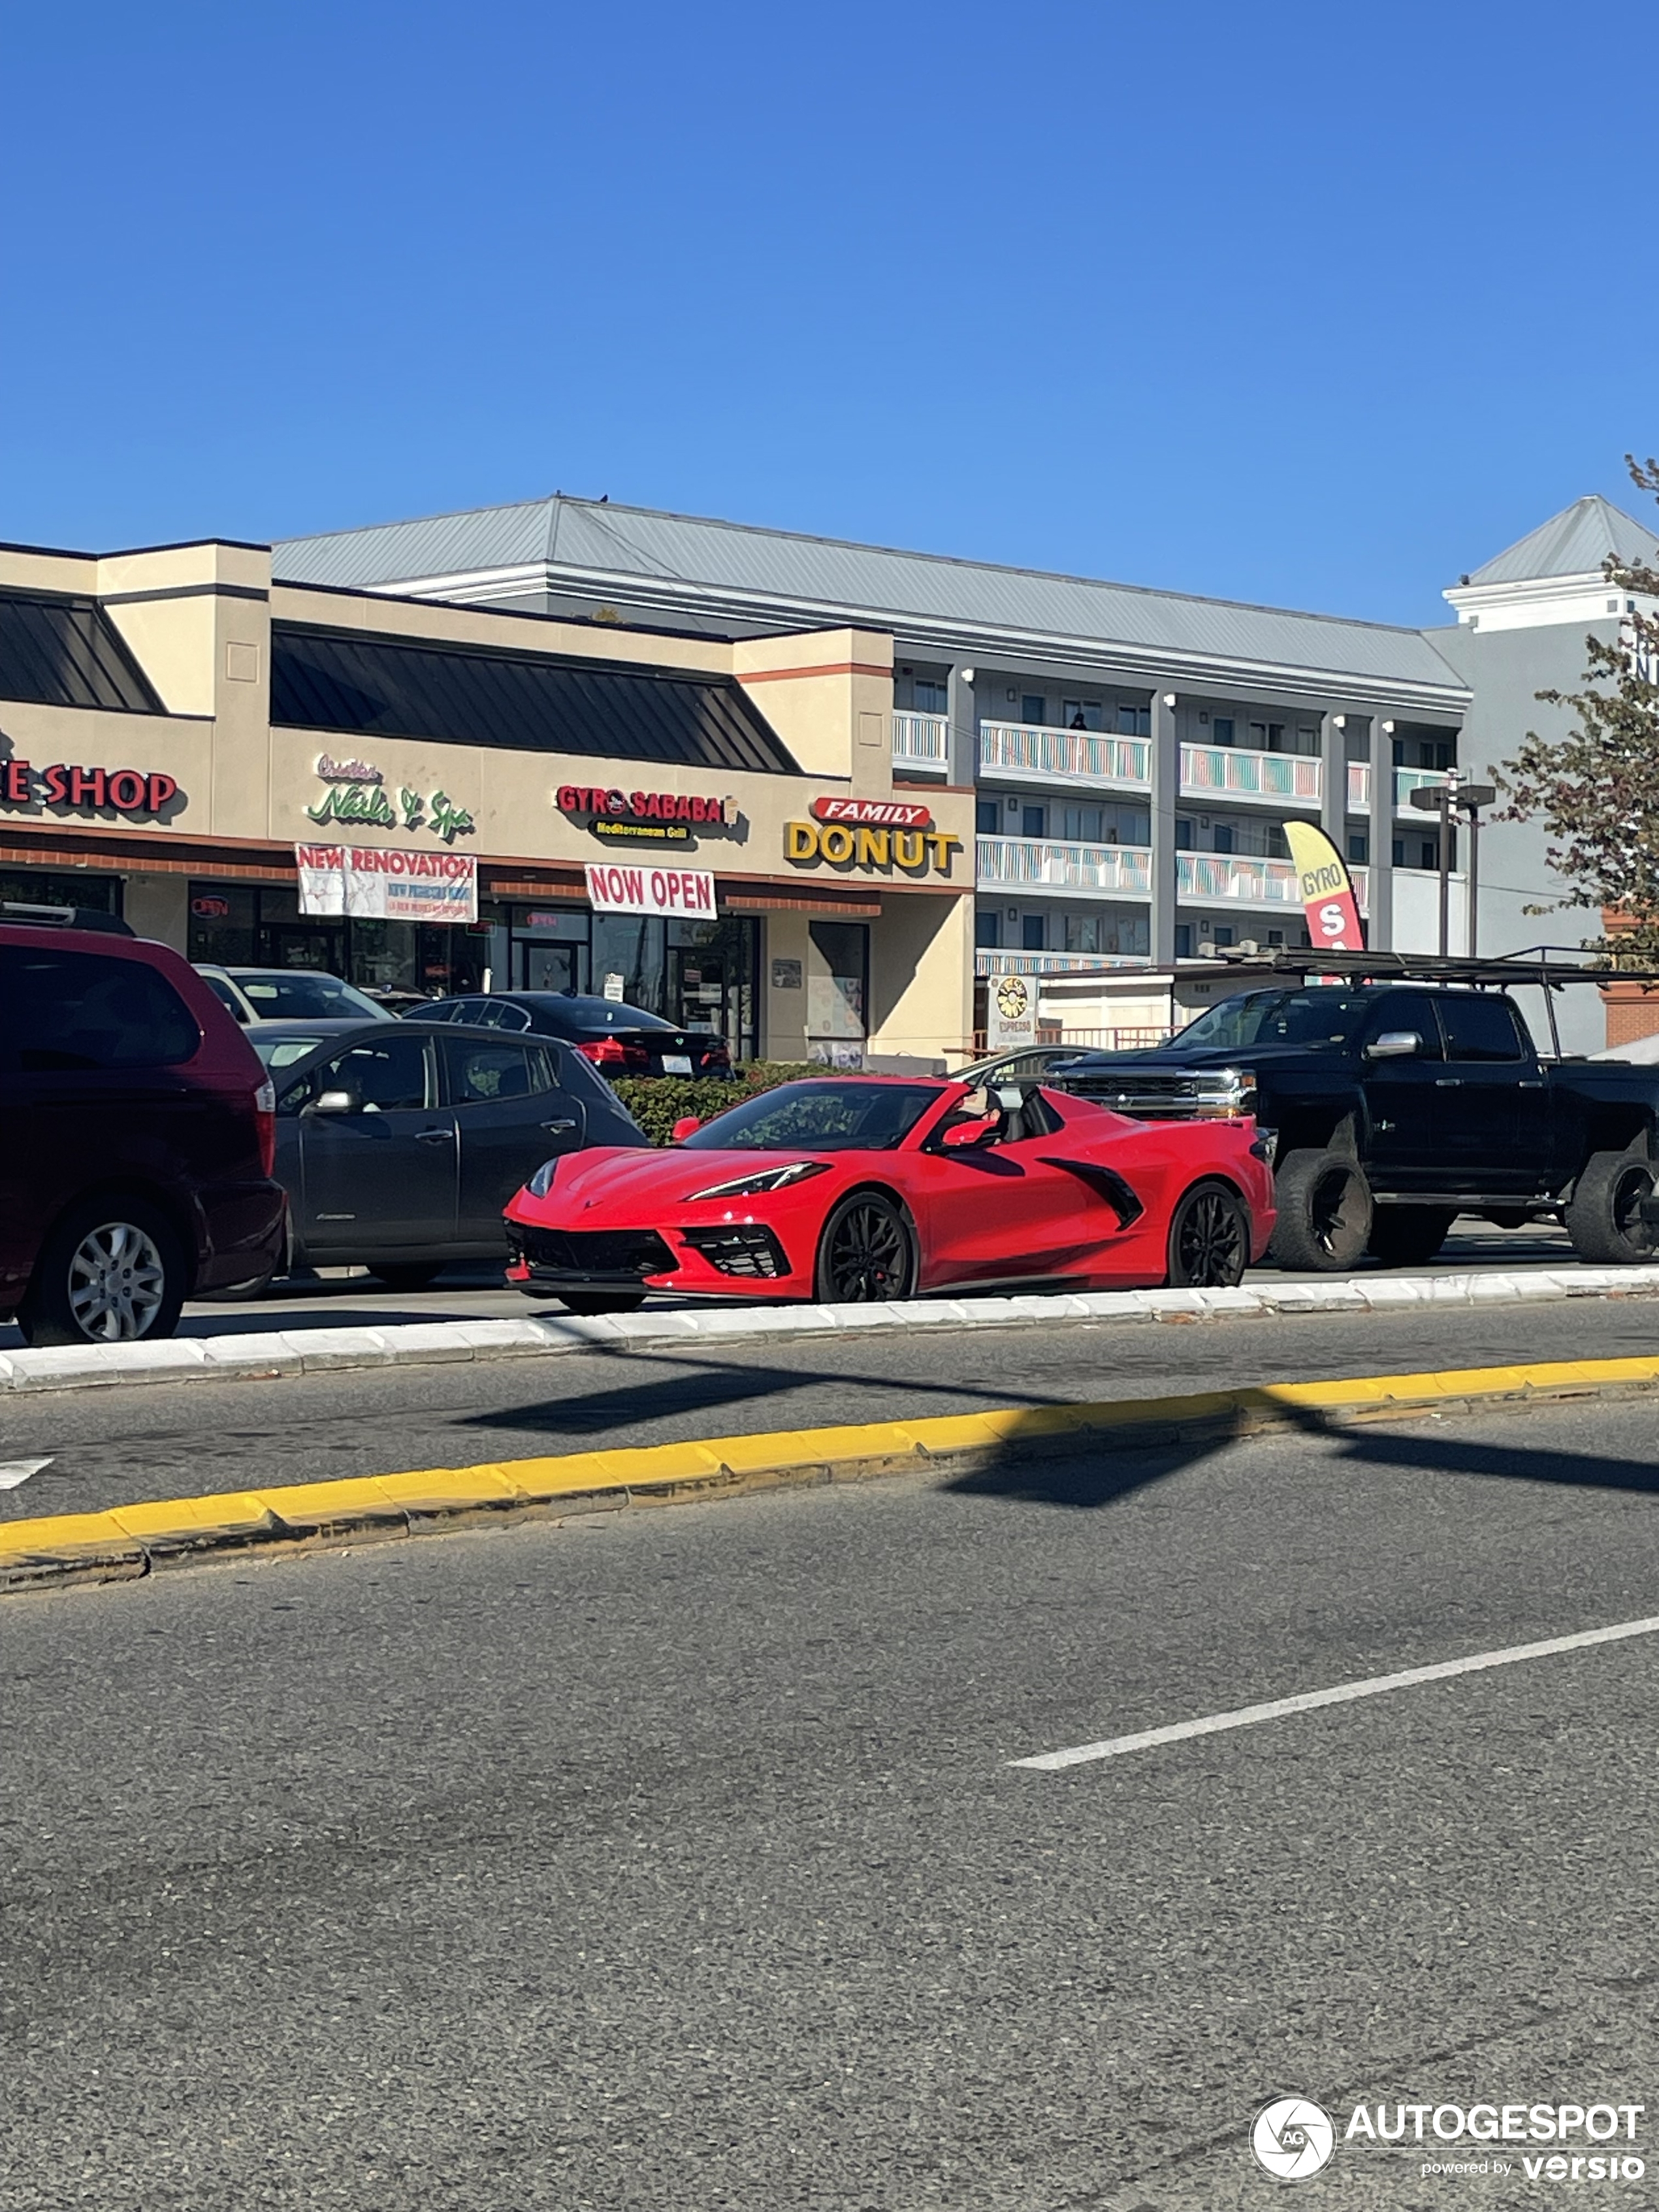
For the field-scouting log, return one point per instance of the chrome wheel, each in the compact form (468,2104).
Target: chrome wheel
(866,1254)
(1209,1241)
(117,1283)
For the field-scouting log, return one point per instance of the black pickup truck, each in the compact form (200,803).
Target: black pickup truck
(1392,1107)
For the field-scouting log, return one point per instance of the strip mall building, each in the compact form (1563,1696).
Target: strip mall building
(279,773)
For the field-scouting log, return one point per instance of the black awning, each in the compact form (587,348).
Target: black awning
(382,687)
(58,650)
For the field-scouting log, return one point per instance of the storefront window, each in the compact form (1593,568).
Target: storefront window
(37,887)
(836,991)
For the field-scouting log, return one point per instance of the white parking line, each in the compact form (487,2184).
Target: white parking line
(14,1472)
(1343,1693)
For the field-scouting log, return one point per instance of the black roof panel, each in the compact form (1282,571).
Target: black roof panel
(369,687)
(59,650)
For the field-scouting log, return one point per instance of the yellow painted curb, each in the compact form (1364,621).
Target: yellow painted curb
(127,1541)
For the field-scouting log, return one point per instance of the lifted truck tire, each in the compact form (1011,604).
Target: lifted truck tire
(1604,1219)
(1324,1212)
(1405,1236)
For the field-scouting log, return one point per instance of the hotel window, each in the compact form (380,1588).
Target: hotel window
(988,930)
(1034,820)
(1186,837)
(932,694)
(1358,846)
(1221,730)
(1083,824)
(1184,940)
(1030,933)
(1080,714)
(1134,721)
(1031,709)
(1222,838)
(988,817)
(1267,736)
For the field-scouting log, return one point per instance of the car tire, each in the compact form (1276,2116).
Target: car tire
(112,1271)
(866,1254)
(1405,1236)
(1324,1212)
(1209,1239)
(400,1275)
(1604,1219)
(601,1302)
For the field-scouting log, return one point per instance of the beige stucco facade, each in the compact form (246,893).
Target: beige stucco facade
(198,621)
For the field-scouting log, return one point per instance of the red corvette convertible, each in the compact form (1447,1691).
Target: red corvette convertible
(858,1187)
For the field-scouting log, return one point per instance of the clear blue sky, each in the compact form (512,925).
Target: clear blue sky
(1307,304)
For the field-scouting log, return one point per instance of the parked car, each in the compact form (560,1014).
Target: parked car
(287,994)
(399,1144)
(1392,1107)
(136,1139)
(861,1187)
(621,1039)
(281,1045)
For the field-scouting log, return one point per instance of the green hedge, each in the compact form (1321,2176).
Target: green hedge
(657,1101)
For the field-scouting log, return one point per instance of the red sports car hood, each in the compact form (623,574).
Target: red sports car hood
(632,1183)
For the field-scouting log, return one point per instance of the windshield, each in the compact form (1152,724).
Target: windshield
(280,994)
(833,1116)
(278,1053)
(1313,1018)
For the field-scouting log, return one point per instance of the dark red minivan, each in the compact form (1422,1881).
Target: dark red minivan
(137,1129)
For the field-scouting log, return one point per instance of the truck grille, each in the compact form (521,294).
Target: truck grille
(1148,1097)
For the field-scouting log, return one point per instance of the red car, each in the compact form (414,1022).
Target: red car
(877,1187)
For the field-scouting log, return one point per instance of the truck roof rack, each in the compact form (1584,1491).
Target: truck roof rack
(1532,966)
(23,916)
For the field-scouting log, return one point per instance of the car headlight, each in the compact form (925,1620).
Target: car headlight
(542,1181)
(765,1179)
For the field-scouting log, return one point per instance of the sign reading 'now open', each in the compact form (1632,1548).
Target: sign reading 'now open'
(615,888)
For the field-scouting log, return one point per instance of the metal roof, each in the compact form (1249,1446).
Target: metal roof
(789,579)
(62,651)
(1574,542)
(364,687)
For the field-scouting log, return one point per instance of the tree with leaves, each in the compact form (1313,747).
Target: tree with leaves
(1597,789)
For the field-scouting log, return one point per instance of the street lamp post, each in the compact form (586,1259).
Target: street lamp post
(1453,798)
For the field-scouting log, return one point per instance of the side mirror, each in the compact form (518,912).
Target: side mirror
(687,1125)
(332,1102)
(1394,1044)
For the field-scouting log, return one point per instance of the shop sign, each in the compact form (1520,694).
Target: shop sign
(1010,1013)
(615,888)
(371,805)
(374,884)
(875,813)
(645,818)
(95,790)
(352,771)
(209,907)
(842,845)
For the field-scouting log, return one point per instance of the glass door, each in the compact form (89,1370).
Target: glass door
(548,967)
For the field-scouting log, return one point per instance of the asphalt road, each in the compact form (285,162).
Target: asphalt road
(107,1446)
(351,1297)
(676,1859)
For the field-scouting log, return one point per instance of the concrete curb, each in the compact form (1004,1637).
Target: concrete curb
(127,1542)
(264,1358)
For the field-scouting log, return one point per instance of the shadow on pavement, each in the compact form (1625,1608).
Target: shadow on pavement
(1092,1472)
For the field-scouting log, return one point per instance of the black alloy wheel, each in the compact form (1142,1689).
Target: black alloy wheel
(1209,1240)
(865,1255)
(1605,1218)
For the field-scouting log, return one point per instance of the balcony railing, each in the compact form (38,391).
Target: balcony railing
(1035,863)
(1359,787)
(1408,780)
(921,741)
(1232,771)
(1240,879)
(1052,964)
(1045,755)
